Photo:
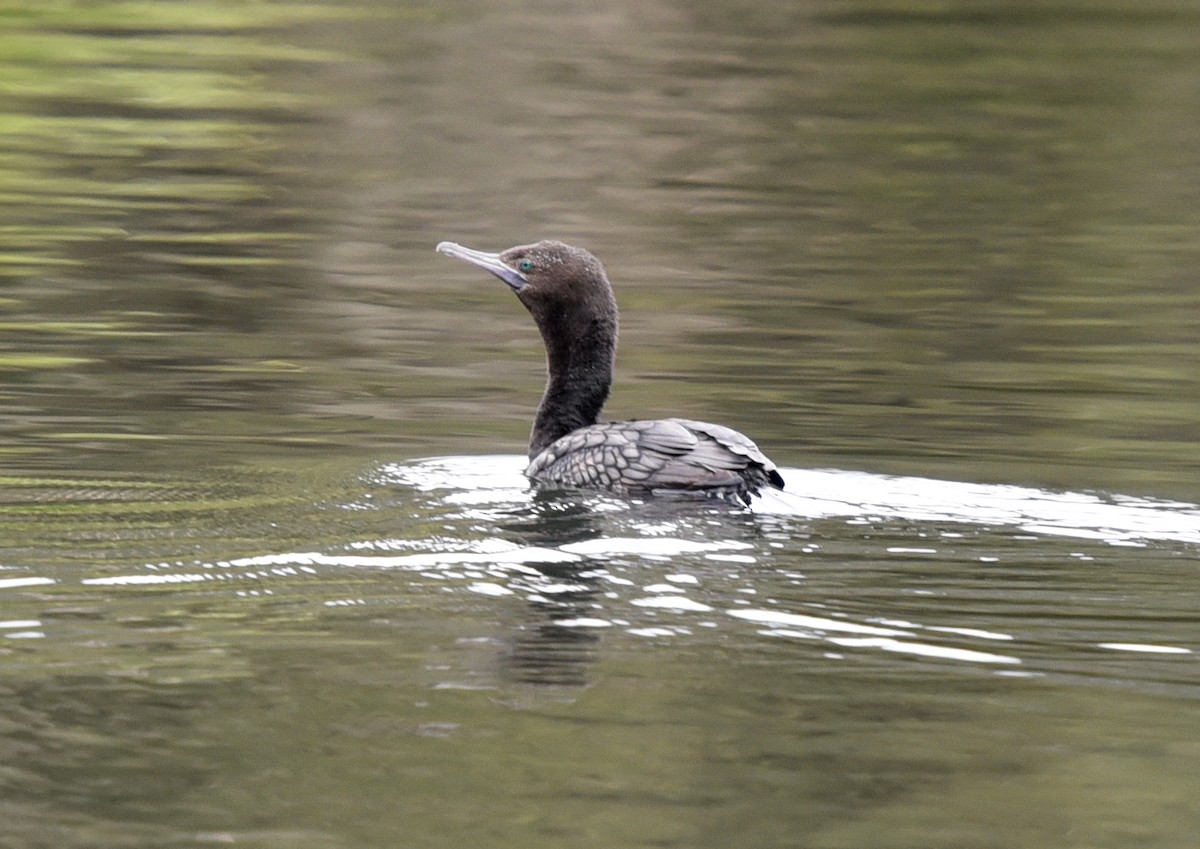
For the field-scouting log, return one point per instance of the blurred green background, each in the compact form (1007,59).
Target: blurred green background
(952,239)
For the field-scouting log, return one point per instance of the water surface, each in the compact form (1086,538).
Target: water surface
(270,574)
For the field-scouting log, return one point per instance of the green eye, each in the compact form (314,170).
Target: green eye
(525,265)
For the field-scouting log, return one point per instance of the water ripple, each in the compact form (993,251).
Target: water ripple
(845,564)
(828,493)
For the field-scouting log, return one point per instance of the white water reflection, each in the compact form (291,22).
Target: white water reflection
(661,574)
(825,493)
(21,629)
(814,627)
(1117,520)
(14,583)
(1143,647)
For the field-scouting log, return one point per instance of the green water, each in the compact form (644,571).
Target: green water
(945,241)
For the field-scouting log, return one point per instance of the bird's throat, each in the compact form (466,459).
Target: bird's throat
(576,390)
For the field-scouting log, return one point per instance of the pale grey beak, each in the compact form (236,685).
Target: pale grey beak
(488,262)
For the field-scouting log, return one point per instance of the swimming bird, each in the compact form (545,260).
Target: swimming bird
(568,294)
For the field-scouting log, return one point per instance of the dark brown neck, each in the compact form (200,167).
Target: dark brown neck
(579,361)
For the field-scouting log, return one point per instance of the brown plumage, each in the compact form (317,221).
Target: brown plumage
(568,294)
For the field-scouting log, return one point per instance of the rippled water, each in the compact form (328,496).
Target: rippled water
(270,574)
(888,655)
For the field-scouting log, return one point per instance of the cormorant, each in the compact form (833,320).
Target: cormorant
(568,294)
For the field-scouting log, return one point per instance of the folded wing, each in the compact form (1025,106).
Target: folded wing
(658,455)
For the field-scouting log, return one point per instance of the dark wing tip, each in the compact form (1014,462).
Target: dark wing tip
(775,478)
